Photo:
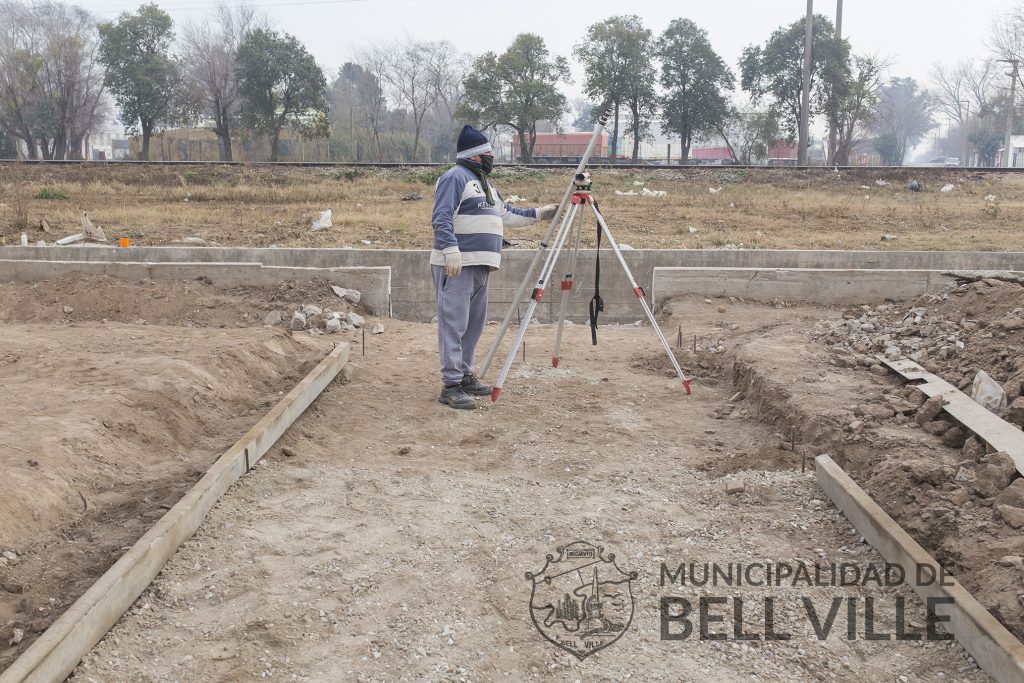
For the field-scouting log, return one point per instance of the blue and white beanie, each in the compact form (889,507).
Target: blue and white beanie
(472,142)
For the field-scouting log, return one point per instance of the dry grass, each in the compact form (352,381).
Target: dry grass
(258,206)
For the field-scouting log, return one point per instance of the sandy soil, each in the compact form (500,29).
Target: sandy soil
(755,208)
(393,545)
(107,419)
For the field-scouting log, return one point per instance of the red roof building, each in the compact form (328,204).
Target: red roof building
(711,153)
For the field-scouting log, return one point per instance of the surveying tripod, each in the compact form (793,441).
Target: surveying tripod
(571,212)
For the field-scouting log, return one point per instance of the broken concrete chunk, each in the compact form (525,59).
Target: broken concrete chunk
(1016,412)
(734,486)
(1011,515)
(930,410)
(69,310)
(355,319)
(974,449)
(993,474)
(298,321)
(1011,561)
(71,239)
(1012,495)
(378,328)
(873,411)
(273,318)
(351,295)
(986,392)
(333,326)
(309,310)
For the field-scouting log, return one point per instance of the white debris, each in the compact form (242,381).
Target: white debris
(692,230)
(714,190)
(71,239)
(631,193)
(298,321)
(864,187)
(367,242)
(322,222)
(987,393)
(881,183)
(41,243)
(626,247)
(638,183)
(888,238)
(378,328)
(653,193)
(309,310)
(990,198)
(350,295)
(272,318)
(24,240)
(513,198)
(948,187)
(92,232)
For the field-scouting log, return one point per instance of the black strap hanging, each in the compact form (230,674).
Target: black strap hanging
(596,303)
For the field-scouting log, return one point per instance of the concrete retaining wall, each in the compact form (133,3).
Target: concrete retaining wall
(412,294)
(808,285)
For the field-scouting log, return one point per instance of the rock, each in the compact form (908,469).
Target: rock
(19,634)
(1016,412)
(1011,561)
(722,309)
(873,411)
(355,319)
(351,295)
(734,486)
(288,452)
(68,310)
(298,321)
(900,405)
(974,449)
(273,318)
(930,410)
(333,326)
(954,437)
(959,497)
(378,328)
(893,353)
(1012,495)
(309,311)
(879,370)
(993,474)
(1011,515)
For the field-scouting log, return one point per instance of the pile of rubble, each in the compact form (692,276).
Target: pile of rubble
(971,328)
(315,318)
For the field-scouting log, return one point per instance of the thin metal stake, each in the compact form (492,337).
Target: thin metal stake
(364,341)
(679,338)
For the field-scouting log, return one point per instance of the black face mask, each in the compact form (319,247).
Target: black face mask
(486,164)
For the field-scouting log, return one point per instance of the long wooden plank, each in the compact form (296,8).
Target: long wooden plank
(990,428)
(993,647)
(56,653)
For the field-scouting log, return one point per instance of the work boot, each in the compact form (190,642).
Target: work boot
(472,386)
(456,398)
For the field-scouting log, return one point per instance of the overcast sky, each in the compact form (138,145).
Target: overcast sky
(914,34)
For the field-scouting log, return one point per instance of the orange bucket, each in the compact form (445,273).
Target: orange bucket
(126,242)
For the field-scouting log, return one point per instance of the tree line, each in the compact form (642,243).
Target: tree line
(63,74)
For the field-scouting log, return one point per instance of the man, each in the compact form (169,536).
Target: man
(469,217)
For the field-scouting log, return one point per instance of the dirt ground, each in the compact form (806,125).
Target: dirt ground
(393,543)
(753,208)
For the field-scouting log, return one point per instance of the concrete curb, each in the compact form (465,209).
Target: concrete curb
(994,648)
(808,285)
(59,650)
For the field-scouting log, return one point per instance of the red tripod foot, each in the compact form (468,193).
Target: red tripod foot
(686,384)
(494,394)
(554,362)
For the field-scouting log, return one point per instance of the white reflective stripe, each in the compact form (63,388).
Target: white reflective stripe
(469,224)
(473,151)
(469,258)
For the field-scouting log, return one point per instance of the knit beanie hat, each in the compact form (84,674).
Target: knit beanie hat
(472,142)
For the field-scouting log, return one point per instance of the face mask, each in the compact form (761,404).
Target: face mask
(486,163)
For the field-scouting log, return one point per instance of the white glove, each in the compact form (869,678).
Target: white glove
(546,213)
(452,263)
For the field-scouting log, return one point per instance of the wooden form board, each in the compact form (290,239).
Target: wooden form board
(990,428)
(57,652)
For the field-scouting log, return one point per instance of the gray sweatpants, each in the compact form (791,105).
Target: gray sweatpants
(461,313)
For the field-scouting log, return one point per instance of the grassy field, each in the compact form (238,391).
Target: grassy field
(764,209)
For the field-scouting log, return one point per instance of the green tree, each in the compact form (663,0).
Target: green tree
(617,56)
(749,133)
(695,79)
(774,71)
(855,109)
(987,143)
(903,116)
(142,74)
(517,89)
(279,82)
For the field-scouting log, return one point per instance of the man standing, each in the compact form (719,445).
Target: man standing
(469,217)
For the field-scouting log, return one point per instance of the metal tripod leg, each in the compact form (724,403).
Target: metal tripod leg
(562,206)
(639,292)
(567,285)
(535,297)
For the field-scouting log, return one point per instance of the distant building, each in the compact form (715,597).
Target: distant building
(562,146)
(1017,147)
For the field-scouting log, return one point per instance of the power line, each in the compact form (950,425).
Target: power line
(211,5)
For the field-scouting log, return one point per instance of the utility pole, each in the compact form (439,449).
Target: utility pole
(1007,141)
(805,101)
(965,157)
(833,133)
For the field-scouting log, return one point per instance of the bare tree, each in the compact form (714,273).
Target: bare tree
(447,68)
(964,87)
(208,51)
(376,61)
(51,82)
(409,74)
